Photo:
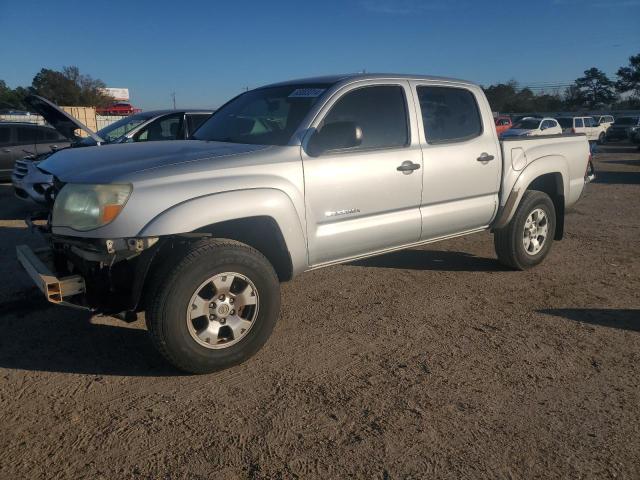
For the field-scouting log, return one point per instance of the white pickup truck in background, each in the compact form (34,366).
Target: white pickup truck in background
(288,178)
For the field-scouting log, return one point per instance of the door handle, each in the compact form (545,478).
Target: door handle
(407,167)
(485,157)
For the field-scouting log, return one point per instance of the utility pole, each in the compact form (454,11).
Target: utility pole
(173,97)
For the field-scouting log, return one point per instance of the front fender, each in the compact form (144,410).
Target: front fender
(535,169)
(200,212)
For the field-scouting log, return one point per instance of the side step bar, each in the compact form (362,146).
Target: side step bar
(55,289)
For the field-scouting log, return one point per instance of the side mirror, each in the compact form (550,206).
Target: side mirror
(335,136)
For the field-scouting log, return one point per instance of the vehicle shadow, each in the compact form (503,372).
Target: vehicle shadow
(37,336)
(437,260)
(609,177)
(624,319)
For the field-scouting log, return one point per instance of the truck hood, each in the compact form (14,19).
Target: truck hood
(64,123)
(107,163)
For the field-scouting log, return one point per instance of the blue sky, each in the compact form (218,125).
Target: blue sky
(208,51)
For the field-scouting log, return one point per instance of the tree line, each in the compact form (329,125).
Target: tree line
(66,87)
(594,90)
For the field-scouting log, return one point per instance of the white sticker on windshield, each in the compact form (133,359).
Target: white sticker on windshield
(306,92)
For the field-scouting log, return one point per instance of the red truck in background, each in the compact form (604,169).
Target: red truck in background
(503,124)
(120,108)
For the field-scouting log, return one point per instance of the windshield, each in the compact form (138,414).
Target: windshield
(117,129)
(527,124)
(266,116)
(626,121)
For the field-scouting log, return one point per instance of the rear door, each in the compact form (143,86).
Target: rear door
(356,199)
(461,175)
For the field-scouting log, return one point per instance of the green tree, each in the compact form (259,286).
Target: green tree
(70,88)
(507,97)
(499,95)
(629,77)
(12,98)
(594,89)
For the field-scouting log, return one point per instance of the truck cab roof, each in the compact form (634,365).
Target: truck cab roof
(353,77)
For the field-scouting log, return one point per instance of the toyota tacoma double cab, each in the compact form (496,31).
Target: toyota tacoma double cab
(284,179)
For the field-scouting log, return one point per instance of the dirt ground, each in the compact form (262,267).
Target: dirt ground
(427,363)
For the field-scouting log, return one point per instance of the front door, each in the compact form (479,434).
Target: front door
(461,175)
(365,198)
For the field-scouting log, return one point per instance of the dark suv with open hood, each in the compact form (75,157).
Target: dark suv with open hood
(32,184)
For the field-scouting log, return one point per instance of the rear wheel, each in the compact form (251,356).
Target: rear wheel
(527,239)
(215,308)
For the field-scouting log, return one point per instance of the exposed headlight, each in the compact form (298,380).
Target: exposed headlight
(86,207)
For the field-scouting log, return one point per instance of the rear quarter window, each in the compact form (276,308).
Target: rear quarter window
(449,114)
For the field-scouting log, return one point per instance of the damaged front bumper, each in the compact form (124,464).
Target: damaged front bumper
(56,290)
(102,275)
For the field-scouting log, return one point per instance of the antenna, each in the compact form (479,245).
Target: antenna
(173,97)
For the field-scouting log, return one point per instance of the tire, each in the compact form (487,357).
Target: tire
(602,138)
(179,293)
(510,241)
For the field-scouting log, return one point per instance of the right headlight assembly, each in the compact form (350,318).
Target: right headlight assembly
(87,207)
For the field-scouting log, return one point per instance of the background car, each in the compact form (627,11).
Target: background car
(31,184)
(604,120)
(586,125)
(530,126)
(119,108)
(503,124)
(624,128)
(18,140)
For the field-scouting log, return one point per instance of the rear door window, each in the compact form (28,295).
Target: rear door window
(579,123)
(449,114)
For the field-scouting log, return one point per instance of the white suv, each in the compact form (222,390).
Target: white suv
(586,125)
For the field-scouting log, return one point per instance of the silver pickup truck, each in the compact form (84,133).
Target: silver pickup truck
(284,179)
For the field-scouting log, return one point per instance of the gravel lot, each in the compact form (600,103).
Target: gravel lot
(427,363)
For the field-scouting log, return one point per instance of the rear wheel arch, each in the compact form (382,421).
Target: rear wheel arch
(553,185)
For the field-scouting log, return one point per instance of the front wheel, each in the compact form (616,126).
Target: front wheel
(215,308)
(527,239)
